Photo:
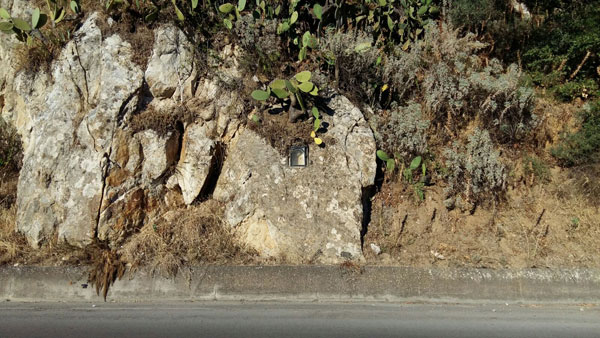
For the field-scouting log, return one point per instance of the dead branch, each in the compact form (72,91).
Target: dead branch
(587,55)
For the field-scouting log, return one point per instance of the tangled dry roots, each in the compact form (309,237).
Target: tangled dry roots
(105,271)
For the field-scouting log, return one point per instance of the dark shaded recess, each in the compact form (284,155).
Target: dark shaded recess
(181,131)
(367,196)
(214,172)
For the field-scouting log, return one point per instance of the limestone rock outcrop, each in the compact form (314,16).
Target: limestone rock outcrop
(159,151)
(305,214)
(90,172)
(70,144)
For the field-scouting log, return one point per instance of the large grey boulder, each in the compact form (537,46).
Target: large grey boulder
(61,185)
(301,214)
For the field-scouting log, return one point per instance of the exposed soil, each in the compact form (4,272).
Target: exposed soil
(549,216)
(280,133)
(552,224)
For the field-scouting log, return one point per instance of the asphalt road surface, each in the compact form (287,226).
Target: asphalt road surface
(347,320)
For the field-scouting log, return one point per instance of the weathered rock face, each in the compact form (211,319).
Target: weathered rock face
(197,158)
(159,151)
(30,89)
(135,189)
(171,63)
(87,173)
(303,214)
(70,144)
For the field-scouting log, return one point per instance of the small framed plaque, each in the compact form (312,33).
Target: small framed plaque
(298,156)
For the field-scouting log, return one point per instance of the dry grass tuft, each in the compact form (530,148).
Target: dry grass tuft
(280,133)
(12,245)
(185,237)
(586,182)
(161,121)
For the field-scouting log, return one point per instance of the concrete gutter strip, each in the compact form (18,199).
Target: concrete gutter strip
(310,283)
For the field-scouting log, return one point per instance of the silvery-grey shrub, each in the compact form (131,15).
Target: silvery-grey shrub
(444,71)
(355,67)
(404,132)
(475,171)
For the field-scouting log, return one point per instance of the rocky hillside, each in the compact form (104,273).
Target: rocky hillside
(165,138)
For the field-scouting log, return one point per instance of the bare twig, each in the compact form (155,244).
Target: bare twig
(562,65)
(401,230)
(540,217)
(542,235)
(587,55)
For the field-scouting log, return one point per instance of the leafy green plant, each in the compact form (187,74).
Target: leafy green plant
(389,21)
(58,9)
(409,173)
(419,190)
(24,31)
(582,146)
(297,36)
(414,165)
(231,12)
(148,9)
(389,161)
(254,118)
(296,89)
(575,222)
(316,126)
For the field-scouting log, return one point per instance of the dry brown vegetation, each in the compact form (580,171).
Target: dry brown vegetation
(280,133)
(161,121)
(192,236)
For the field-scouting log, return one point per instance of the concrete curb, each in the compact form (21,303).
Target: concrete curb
(310,283)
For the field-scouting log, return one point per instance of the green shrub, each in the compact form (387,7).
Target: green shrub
(475,15)
(262,46)
(400,71)
(475,171)
(534,166)
(569,31)
(557,43)
(585,89)
(582,146)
